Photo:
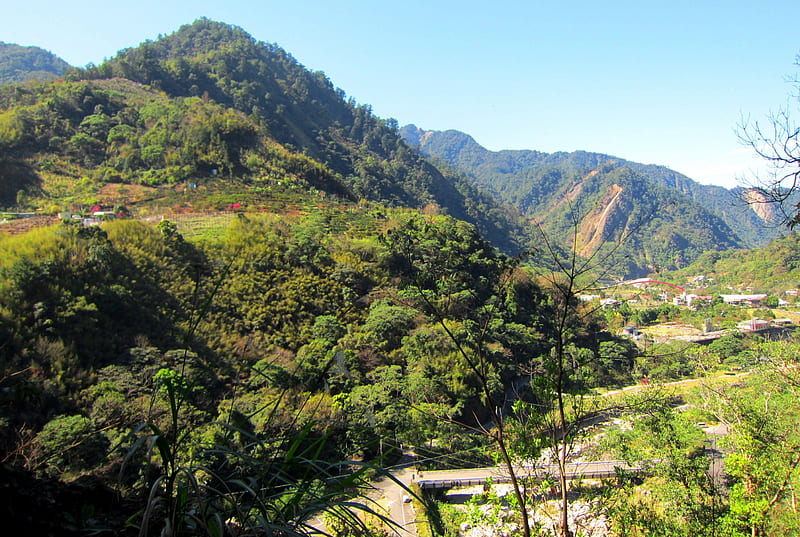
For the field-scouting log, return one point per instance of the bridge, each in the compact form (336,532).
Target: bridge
(444,479)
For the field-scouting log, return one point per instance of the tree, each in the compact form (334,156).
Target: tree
(776,141)
(453,273)
(489,306)
(69,444)
(671,447)
(763,444)
(562,379)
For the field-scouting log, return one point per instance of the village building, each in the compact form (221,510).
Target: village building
(748,300)
(753,325)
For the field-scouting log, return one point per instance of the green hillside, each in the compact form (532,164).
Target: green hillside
(304,112)
(63,142)
(20,64)
(270,329)
(772,269)
(607,202)
(507,173)
(209,109)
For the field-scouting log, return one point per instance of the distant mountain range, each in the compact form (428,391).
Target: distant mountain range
(19,64)
(210,98)
(612,196)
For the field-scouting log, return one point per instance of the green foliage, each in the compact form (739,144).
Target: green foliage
(678,497)
(69,445)
(132,135)
(763,445)
(386,325)
(19,64)
(773,268)
(444,256)
(291,307)
(168,380)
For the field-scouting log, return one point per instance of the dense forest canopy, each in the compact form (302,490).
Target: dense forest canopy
(331,307)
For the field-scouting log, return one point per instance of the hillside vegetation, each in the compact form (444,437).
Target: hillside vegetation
(210,105)
(282,327)
(20,64)
(63,142)
(773,269)
(681,218)
(258,297)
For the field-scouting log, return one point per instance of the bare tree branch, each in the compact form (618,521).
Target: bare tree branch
(776,141)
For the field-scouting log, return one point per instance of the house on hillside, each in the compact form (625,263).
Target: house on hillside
(104,215)
(631,330)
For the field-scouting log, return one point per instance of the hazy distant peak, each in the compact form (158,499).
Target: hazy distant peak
(20,63)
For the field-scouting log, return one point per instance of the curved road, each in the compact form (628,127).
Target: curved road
(401,512)
(395,491)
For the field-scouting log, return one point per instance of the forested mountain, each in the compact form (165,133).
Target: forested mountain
(754,224)
(612,198)
(18,64)
(302,110)
(506,173)
(209,104)
(773,269)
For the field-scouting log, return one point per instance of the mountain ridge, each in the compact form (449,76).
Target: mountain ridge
(355,153)
(303,109)
(673,226)
(460,150)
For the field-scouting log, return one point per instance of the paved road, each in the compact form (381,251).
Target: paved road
(400,511)
(387,498)
(477,476)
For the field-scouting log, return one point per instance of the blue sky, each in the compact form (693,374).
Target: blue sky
(658,82)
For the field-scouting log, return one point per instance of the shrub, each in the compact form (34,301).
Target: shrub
(69,444)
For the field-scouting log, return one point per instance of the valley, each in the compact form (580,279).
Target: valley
(233,300)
